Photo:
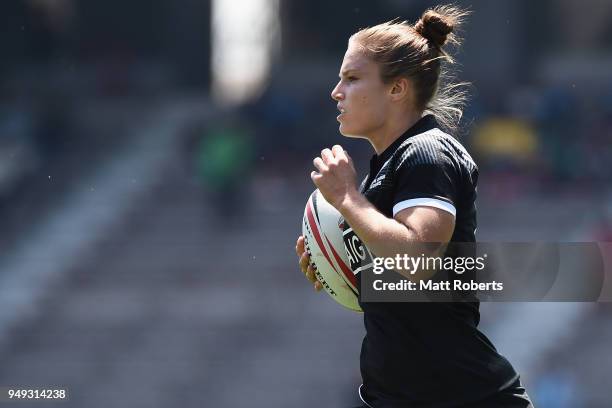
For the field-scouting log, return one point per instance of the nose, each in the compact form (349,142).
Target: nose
(336,93)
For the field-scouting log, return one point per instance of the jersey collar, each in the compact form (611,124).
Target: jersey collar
(424,124)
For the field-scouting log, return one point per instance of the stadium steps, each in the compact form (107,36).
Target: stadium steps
(163,310)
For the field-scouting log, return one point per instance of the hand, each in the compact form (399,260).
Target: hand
(335,176)
(305,265)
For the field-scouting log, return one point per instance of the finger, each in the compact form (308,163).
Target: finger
(310,274)
(339,152)
(327,156)
(350,160)
(315,177)
(299,246)
(304,261)
(318,286)
(319,164)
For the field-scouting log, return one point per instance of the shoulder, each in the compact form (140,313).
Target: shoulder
(433,147)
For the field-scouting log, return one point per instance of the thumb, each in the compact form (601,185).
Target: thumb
(350,160)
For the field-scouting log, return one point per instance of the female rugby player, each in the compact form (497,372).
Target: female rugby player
(421,188)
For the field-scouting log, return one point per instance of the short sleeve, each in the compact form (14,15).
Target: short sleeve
(425,176)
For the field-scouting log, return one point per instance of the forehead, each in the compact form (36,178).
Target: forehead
(356,60)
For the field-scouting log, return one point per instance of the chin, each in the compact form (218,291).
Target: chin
(346,131)
(350,133)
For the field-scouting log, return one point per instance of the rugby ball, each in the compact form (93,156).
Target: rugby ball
(322,228)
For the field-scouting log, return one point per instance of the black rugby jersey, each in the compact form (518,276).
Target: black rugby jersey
(427,354)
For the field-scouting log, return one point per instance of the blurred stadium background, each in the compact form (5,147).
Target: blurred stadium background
(154,164)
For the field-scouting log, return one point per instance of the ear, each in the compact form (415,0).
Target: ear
(401,89)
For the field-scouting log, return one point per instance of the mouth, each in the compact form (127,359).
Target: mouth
(342,112)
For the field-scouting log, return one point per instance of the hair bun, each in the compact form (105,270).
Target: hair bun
(436,25)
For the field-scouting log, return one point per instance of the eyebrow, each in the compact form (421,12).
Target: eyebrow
(346,72)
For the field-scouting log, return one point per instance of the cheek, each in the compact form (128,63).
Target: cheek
(371,108)
(361,104)
(361,96)
(366,107)
(368,98)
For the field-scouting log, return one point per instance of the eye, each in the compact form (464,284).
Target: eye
(351,78)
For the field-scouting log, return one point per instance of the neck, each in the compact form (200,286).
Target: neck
(393,129)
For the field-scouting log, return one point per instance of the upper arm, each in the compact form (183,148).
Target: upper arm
(429,224)
(426,192)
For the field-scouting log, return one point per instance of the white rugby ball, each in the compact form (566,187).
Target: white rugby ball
(323,240)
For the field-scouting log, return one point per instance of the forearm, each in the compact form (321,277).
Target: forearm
(385,237)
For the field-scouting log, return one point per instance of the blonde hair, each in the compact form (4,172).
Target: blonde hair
(416,52)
